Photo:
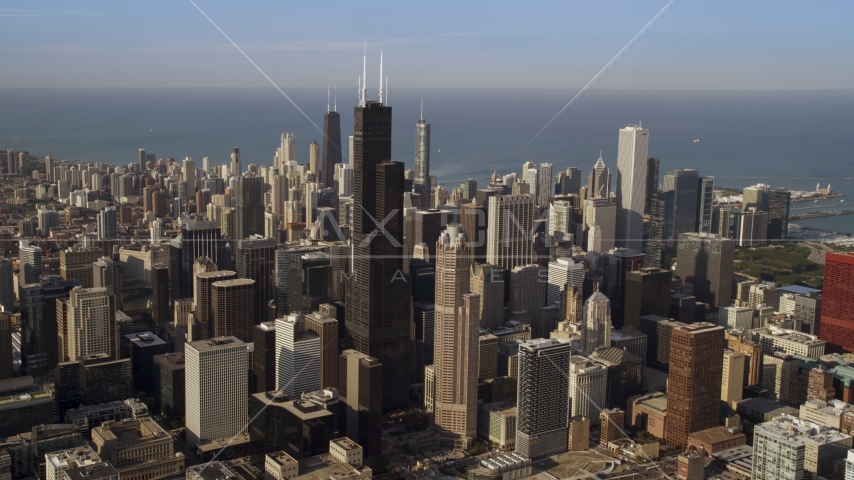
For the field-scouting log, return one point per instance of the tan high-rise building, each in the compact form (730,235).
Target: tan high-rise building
(488,282)
(732,377)
(693,388)
(360,394)
(456,340)
(578,438)
(90,317)
(326,328)
(612,422)
(76,264)
(820,385)
(741,342)
(204,316)
(231,305)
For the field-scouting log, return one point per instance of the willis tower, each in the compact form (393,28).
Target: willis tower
(377,294)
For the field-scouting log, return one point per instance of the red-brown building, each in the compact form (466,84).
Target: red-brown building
(837,307)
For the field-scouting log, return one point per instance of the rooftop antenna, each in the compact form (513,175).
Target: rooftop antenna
(335,98)
(381,76)
(364,90)
(422,108)
(327,98)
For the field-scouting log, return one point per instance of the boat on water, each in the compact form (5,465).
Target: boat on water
(696,140)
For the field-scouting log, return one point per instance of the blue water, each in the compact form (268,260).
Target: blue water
(793,139)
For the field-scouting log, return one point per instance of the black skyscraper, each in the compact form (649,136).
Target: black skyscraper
(249,197)
(331,154)
(200,239)
(377,297)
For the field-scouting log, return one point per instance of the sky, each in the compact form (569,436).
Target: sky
(693,44)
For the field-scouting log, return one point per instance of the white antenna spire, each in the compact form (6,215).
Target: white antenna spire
(381,76)
(335,105)
(327,98)
(422,108)
(364,76)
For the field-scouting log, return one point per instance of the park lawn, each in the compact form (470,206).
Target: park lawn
(782,264)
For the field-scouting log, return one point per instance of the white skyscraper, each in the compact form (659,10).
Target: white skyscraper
(88,327)
(297,356)
(29,263)
(216,386)
(107,223)
(733,317)
(531,176)
(601,211)
(511,219)
(632,153)
(561,272)
(560,217)
(587,383)
(596,325)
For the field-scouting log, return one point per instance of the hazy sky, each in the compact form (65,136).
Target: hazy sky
(694,44)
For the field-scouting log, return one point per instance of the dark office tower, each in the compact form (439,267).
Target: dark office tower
(694,384)
(573,181)
(488,282)
(837,316)
(599,181)
(169,384)
(231,305)
(159,203)
(141,160)
(705,203)
(651,183)
(308,280)
(360,386)
(39,323)
(544,190)
(778,214)
(616,264)
(625,374)
(203,198)
(428,227)
(264,357)
(683,184)
(199,239)
(160,285)
(541,408)
(647,293)
(331,154)
(107,273)
(144,347)
(249,198)
(421,183)
(422,339)
(706,261)
(660,229)
(255,259)
(234,168)
(7,289)
(203,326)
(377,299)
(6,346)
(423,277)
